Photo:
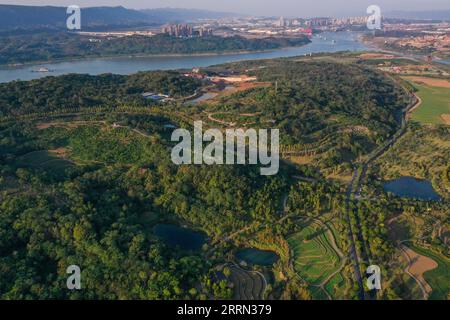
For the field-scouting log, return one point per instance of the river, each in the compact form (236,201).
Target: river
(329,42)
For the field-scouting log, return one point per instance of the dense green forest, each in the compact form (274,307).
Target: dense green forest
(56,46)
(310,94)
(86,176)
(100,217)
(334,111)
(84,91)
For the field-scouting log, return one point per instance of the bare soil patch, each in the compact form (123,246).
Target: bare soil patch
(301,160)
(446,118)
(343,178)
(68,124)
(244,86)
(60,152)
(369,56)
(356,129)
(42,126)
(432,82)
(418,265)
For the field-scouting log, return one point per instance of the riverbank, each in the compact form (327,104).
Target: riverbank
(139,56)
(63,46)
(129,64)
(437,57)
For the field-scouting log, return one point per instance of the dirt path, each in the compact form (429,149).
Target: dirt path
(305,179)
(246,290)
(68,124)
(132,129)
(417,105)
(211,118)
(428,81)
(243,230)
(342,257)
(226,123)
(446,119)
(417,266)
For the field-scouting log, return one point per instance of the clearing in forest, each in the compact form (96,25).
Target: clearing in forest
(436,277)
(435,96)
(247,285)
(418,265)
(315,260)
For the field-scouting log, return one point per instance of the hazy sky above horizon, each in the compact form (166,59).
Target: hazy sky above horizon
(300,8)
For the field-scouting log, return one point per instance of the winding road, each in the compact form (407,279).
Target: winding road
(355,185)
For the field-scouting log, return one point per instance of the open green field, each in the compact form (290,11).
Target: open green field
(334,286)
(409,288)
(314,258)
(437,278)
(435,103)
(318,293)
(45,160)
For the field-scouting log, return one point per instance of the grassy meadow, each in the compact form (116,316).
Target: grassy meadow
(435,103)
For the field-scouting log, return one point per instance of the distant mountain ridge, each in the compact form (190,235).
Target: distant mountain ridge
(177,14)
(27,17)
(31,17)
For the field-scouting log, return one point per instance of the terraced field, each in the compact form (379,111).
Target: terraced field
(315,260)
(437,278)
(46,160)
(247,285)
(334,285)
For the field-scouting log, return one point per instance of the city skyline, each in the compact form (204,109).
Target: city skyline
(300,8)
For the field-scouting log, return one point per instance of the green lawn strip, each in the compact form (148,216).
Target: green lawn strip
(435,103)
(314,259)
(412,289)
(57,166)
(317,293)
(334,285)
(36,158)
(437,278)
(45,160)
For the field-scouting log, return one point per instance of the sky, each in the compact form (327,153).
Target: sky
(297,8)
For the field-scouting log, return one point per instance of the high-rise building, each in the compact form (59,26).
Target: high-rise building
(186,31)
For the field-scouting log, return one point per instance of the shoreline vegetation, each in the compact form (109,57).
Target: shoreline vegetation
(438,57)
(63,47)
(125,56)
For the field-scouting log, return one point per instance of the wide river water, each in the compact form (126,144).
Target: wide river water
(328,42)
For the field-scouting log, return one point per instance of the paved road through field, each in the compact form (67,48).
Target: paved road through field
(354,191)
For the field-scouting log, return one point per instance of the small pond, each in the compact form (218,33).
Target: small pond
(176,236)
(202,98)
(409,187)
(257,257)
